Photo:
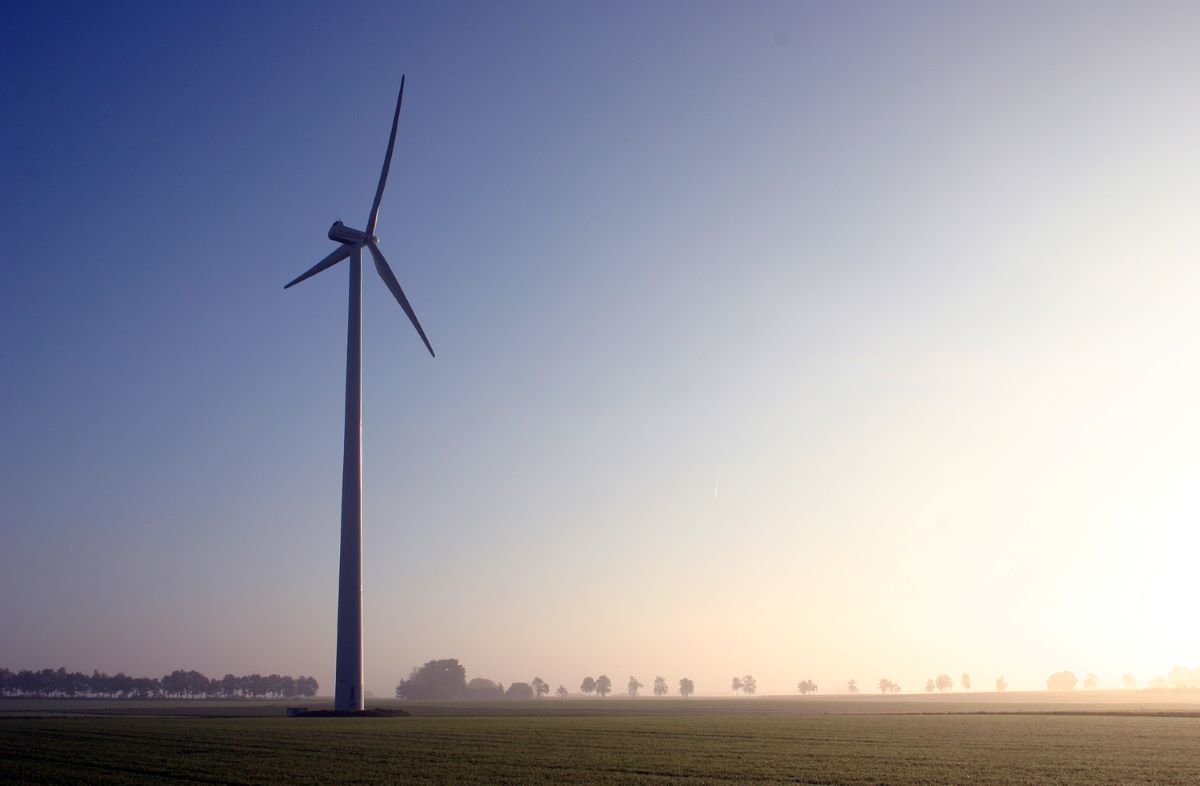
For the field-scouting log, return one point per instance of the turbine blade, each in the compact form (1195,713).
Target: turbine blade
(389,278)
(387,164)
(339,253)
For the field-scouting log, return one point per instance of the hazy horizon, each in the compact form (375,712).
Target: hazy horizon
(801,340)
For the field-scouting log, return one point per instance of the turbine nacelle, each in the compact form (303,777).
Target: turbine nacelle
(340,233)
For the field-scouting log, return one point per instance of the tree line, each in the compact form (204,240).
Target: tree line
(1179,677)
(179,684)
(447,679)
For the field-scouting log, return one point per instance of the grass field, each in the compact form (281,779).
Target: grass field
(834,741)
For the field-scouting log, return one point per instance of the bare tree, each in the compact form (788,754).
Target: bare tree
(686,687)
(634,686)
(660,686)
(588,686)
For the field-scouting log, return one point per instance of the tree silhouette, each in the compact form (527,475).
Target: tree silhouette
(1061,680)
(944,682)
(1001,685)
(660,686)
(852,686)
(588,686)
(965,680)
(686,687)
(887,686)
(749,685)
(735,684)
(437,679)
(540,688)
(806,687)
(603,685)
(519,690)
(1091,682)
(930,685)
(1129,682)
(561,692)
(480,688)
(633,686)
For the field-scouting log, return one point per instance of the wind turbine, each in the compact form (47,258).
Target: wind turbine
(348,689)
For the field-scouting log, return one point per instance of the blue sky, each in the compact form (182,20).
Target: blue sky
(872,273)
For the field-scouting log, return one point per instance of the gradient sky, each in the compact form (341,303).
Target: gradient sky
(806,340)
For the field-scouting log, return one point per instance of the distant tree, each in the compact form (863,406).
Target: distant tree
(1159,683)
(633,686)
(1129,682)
(540,688)
(588,686)
(147,687)
(437,679)
(1183,677)
(749,685)
(179,683)
(1001,685)
(561,692)
(965,679)
(519,690)
(1091,682)
(480,688)
(929,685)
(660,686)
(852,686)
(1062,680)
(603,685)
(736,684)
(806,687)
(887,686)
(686,687)
(122,685)
(944,682)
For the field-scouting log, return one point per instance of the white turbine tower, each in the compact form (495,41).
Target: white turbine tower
(348,689)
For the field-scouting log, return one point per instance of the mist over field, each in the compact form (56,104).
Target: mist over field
(802,341)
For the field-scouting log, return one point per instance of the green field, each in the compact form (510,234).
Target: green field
(898,741)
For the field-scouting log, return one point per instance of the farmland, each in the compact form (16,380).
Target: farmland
(915,740)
